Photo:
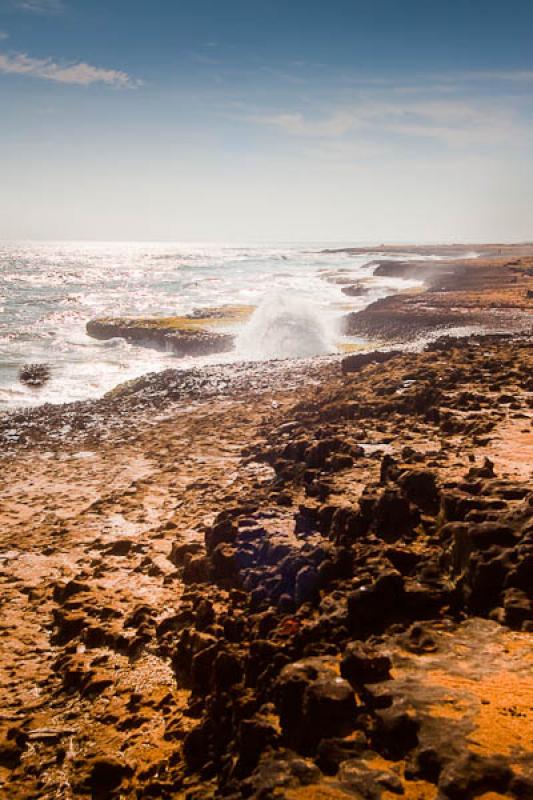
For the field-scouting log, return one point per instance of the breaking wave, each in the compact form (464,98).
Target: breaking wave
(285,326)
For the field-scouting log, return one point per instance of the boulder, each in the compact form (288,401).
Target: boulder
(332,752)
(393,515)
(420,487)
(314,702)
(35,375)
(471,775)
(279,770)
(361,663)
(367,783)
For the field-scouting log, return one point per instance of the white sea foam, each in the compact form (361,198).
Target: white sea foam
(50,290)
(285,326)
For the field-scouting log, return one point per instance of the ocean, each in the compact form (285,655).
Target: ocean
(50,290)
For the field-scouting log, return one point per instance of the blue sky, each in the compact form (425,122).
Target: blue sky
(355,120)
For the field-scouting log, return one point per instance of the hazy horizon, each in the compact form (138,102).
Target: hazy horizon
(341,243)
(351,122)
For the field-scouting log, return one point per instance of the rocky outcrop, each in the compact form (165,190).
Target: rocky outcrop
(459,293)
(315,589)
(355,290)
(332,602)
(357,361)
(35,375)
(174,334)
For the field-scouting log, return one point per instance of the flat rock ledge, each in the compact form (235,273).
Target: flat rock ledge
(173,334)
(484,292)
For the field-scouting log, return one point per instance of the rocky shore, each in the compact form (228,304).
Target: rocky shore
(294,580)
(492,293)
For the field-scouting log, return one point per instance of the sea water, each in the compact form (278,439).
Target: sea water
(50,290)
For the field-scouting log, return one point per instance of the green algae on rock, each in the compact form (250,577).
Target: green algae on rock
(184,336)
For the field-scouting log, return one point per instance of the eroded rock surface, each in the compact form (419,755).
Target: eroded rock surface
(298,589)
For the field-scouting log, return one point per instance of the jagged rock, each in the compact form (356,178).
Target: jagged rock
(255,736)
(228,669)
(393,516)
(280,770)
(397,731)
(472,775)
(420,487)
(205,614)
(35,375)
(355,290)
(317,454)
(367,782)
(68,625)
(485,471)
(521,574)
(357,361)
(518,608)
(10,754)
(332,752)
(196,569)
(314,703)
(361,663)
(202,668)
(370,607)
(106,774)
(329,707)
(306,586)
(223,532)
(196,747)
(180,550)
(403,559)
(64,591)
(418,639)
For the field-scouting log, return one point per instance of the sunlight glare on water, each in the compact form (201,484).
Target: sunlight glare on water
(49,291)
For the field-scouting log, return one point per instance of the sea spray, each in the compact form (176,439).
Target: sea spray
(285,326)
(50,290)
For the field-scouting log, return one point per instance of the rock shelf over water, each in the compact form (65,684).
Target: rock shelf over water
(185,336)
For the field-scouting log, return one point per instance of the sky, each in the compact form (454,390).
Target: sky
(273,120)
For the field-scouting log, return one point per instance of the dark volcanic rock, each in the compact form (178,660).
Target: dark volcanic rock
(35,375)
(357,361)
(472,775)
(366,782)
(314,703)
(361,663)
(420,487)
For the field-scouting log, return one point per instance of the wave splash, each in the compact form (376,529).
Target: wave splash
(284,326)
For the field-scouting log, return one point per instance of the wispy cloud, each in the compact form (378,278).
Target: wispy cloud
(437,81)
(510,75)
(455,122)
(39,6)
(3,35)
(327,125)
(77,73)
(455,109)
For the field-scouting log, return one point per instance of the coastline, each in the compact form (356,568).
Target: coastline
(191,563)
(484,292)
